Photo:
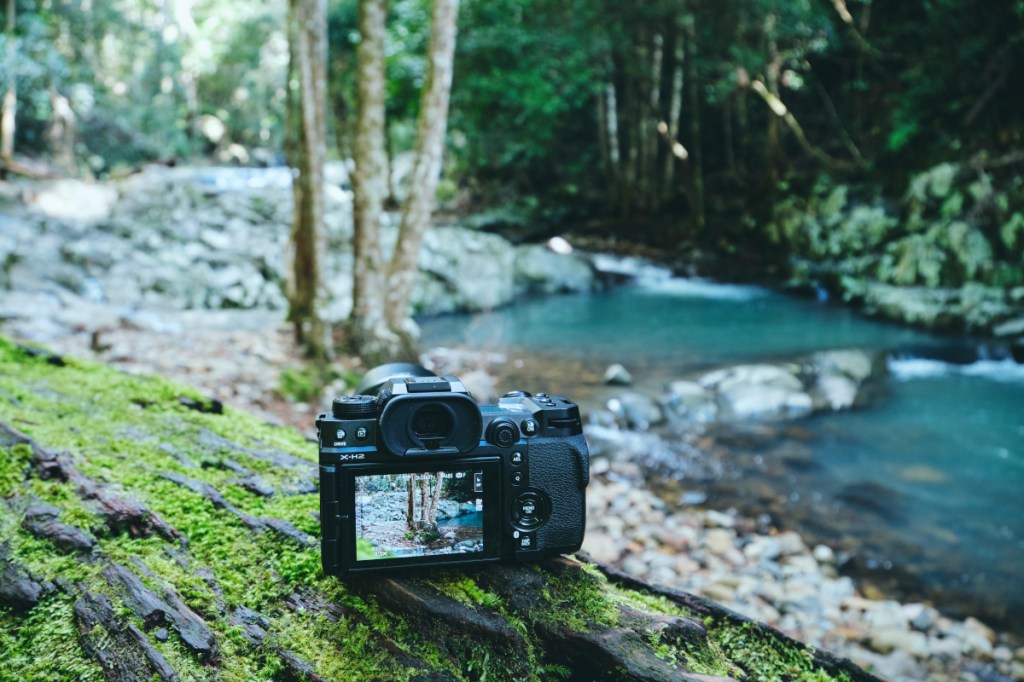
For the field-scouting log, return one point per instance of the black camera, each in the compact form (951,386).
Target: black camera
(413,472)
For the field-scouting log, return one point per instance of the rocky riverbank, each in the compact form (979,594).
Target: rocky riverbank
(775,577)
(216,238)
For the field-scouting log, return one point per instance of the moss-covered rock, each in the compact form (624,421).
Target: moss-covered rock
(135,546)
(957,228)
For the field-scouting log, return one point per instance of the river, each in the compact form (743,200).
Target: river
(922,489)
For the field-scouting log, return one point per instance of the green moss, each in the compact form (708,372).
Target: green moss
(764,658)
(579,599)
(14,463)
(43,644)
(307,383)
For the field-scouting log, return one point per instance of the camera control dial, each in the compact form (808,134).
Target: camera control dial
(354,407)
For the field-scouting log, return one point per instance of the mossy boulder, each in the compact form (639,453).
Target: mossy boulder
(147,533)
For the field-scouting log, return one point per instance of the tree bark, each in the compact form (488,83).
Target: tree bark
(310,20)
(677,151)
(10,105)
(419,205)
(167,568)
(410,512)
(694,102)
(367,329)
(435,496)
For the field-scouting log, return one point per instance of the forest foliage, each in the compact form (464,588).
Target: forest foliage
(696,116)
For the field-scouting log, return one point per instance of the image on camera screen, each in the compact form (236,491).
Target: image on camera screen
(430,513)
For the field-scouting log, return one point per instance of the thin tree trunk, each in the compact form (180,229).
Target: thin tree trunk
(7,117)
(650,125)
(434,497)
(368,334)
(410,513)
(423,187)
(423,499)
(674,111)
(310,30)
(613,172)
(693,99)
(61,134)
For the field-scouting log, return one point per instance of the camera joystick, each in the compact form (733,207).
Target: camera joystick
(503,433)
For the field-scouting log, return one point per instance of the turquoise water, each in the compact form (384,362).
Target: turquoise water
(675,323)
(925,486)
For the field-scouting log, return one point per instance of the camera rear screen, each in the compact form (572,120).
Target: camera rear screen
(419,514)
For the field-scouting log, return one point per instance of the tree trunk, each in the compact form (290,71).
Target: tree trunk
(61,134)
(423,500)
(694,102)
(435,496)
(10,105)
(180,566)
(367,330)
(310,20)
(433,122)
(410,513)
(674,111)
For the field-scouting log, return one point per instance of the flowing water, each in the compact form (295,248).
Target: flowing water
(925,486)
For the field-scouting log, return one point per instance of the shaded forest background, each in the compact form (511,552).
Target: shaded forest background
(703,128)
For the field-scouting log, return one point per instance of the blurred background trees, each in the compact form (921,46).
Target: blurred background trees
(681,123)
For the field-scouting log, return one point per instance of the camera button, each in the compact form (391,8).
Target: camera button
(517,478)
(341,434)
(529,427)
(361,433)
(526,541)
(517,457)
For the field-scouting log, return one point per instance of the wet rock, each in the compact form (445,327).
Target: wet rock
(690,400)
(823,554)
(760,392)
(617,375)
(538,269)
(637,410)
(835,392)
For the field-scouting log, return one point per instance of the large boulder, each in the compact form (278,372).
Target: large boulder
(758,392)
(540,270)
(464,270)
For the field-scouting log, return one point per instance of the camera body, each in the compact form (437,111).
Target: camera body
(419,474)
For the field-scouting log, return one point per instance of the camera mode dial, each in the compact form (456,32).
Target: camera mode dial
(354,407)
(503,433)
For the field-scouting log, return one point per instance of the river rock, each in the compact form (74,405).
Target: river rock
(765,392)
(639,411)
(691,401)
(538,269)
(834,391)
(617,375)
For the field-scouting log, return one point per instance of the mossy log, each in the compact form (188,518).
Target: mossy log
(147,534)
